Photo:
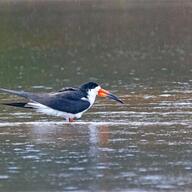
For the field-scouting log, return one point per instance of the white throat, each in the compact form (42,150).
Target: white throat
(92,93)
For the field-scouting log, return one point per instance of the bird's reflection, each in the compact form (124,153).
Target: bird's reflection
(98,137)
(90,133)
(104,135)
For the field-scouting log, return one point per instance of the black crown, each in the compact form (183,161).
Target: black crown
(89,85)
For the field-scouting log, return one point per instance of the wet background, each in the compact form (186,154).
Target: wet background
(141,50)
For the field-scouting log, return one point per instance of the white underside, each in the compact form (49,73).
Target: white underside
(49,111)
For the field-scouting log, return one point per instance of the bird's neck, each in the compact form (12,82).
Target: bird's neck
(91,97)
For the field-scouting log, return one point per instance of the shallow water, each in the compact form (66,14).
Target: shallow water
(144,145)
(139,50)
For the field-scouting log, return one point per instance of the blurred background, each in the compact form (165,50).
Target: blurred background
(123,43)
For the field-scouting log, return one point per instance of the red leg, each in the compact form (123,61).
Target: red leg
(71,120)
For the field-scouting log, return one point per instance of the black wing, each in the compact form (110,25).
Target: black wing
(68,101)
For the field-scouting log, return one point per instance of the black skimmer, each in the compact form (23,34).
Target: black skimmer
(69,102)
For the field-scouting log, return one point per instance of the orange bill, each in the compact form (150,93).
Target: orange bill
(105,93)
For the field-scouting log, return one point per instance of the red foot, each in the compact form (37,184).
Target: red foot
(71,120)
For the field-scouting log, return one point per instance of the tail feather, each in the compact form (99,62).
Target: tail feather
(13,92)
(21,105)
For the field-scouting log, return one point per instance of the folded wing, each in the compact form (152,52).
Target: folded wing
(68,100)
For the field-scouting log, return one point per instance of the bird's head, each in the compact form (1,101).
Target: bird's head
(93,89)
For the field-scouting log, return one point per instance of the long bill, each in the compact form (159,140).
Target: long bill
(105,93)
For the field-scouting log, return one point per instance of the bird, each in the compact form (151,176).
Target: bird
(69,103)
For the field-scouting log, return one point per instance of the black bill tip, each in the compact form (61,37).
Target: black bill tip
(111,96)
